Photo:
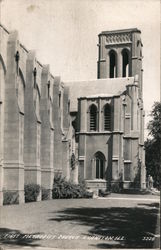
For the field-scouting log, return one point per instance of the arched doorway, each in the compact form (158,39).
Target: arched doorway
(99,165)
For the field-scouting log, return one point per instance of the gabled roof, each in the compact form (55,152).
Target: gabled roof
(108,87)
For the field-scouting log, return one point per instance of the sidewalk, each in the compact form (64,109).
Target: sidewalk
(44,248)
(132,197)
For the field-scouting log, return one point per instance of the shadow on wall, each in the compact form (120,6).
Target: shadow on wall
(132,223)
(15,237)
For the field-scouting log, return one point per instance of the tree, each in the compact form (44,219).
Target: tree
(153,145)
(154,125)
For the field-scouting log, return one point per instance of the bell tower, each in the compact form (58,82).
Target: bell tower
(120,54)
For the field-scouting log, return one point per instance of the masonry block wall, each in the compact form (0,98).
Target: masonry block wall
(32,105)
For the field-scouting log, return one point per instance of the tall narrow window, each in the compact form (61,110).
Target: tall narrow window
(93,118)
(99,165)
(112,64)
(21,92)
(107,117)
(59,99)
(125,63)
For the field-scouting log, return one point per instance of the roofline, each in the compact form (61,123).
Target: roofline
(99,79)
(98,96)
(4,28)
(119,31)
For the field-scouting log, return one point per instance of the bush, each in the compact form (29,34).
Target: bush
(116,187)
(87,194)
(63,189)
(45,194)
(31,192)
(10,197)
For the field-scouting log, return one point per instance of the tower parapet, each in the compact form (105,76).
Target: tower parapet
(120,54)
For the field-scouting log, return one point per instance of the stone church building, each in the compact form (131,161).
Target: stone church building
(85,130)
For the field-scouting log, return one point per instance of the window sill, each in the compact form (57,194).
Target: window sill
(95,133)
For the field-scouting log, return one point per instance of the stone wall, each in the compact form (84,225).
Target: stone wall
(121,145)
(33,134)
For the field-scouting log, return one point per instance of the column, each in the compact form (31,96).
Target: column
(58,133)
(83,115)
(13,125)
(68,134)
(2,85)
(100,115)
(32,133)
(47,131)
(119,63)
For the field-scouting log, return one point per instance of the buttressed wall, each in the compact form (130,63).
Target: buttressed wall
(31,107)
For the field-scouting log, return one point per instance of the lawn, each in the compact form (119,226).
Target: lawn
(131,222)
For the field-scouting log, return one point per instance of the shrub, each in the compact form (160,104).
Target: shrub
(31,192)
(87,194)
(115,187)
(10,197)
(65,189)
(45,193)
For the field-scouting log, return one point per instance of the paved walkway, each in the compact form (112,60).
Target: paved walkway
(154,198)
(47,248)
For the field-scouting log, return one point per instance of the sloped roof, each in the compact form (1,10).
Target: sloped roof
(98,87)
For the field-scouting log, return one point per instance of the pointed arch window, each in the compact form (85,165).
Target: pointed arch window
(20,91)
(113,63)
(107,117)
(2,79)
(93,118)
(99,165)
(125,63)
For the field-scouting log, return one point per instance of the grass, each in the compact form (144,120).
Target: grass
(84,219)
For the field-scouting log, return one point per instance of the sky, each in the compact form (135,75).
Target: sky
(65,35)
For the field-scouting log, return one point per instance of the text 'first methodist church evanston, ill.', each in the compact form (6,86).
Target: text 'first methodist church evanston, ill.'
(86,130)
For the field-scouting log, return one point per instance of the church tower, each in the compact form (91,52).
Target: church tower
(120,54)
